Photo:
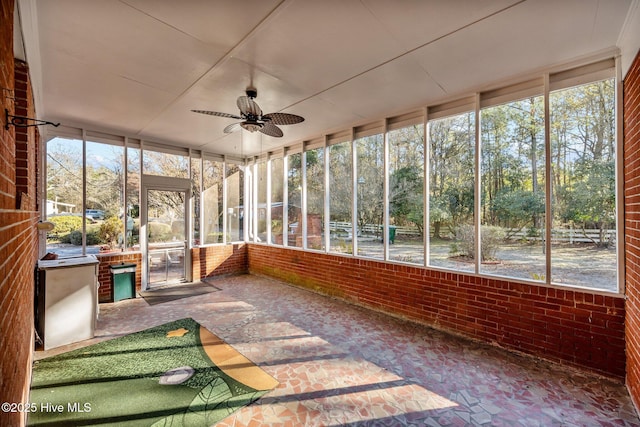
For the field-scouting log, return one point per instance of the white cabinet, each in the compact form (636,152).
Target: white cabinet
(67,300)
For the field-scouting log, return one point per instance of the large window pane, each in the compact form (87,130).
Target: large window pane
(513,189)
(133,198)
(294,200)
(341,197)
(104,199)
(451,192)
(195,200)
(315,198)
(261,208)
(277,199)
(64,196)
(583,249)
(370,195)
(212,202)
(165,164)
(406,194)
(235,199)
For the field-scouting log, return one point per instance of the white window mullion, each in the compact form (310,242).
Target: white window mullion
(303,199)
(619,178)
(327,200)
(268,212)
(426,167)
(548,180)
(285,199)
(477,202)
(385,192)
(354,194)
(84,192)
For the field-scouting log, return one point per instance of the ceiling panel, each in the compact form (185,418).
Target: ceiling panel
(314,45)
(508,45)
(390,88)
(79,92)
(220,24)
(120,40)
(428,20)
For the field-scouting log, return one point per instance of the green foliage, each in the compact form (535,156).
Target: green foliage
(519,208)
(65,224)
(110,230)
(406,204)
(592,198)
(75,238)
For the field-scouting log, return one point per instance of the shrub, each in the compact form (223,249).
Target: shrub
(65,224)
(159,232)
(491,238)
(110,230)
(75,238)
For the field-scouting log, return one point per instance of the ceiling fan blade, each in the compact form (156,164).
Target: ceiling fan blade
(248,106)
(232,128)
(215,113)
(271,130)
(283,118)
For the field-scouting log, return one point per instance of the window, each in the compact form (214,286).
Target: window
(212,202)
(234,202)
(64,200)
(261,207)
(166,164)
(294,199)
(104,199)
(451,192)
(583,148)
(315,198)
(513,190)
(195,199)
(370,196)
(406,194)
(341,197)
(277,201)
(133,198)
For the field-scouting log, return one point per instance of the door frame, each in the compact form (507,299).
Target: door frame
(164,183)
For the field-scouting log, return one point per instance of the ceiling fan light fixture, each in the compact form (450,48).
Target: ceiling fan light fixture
(251,126)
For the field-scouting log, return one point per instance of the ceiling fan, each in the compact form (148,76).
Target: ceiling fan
(253,119)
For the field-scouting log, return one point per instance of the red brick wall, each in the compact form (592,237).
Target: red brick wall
(219,260)
(571,327)
(18,235)
(25,157)
(104,273)
(632,225)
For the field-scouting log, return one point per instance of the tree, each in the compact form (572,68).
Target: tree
(405,198)
(452,148)
(370,178)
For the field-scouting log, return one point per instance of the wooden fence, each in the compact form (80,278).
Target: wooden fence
(568,235)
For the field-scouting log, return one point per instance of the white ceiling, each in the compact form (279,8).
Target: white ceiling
(137,67)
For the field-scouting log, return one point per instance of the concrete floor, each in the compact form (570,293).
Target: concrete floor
(342,365)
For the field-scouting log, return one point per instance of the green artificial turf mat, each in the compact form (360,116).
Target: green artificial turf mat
(142,379)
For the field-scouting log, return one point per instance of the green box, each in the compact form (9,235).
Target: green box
(392,234)
(123,281)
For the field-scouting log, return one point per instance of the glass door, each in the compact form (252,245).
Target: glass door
(166,236)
